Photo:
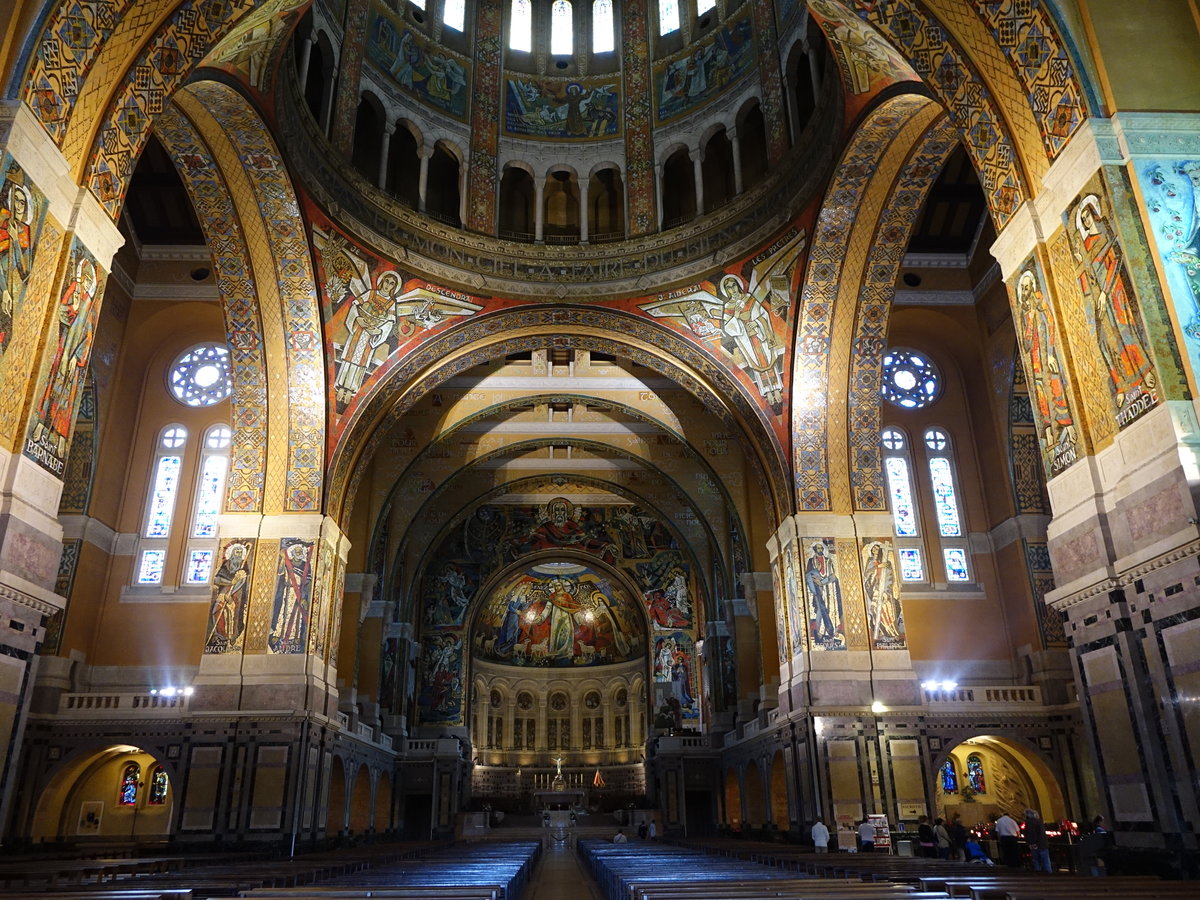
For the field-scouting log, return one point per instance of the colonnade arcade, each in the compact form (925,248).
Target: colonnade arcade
(685,417)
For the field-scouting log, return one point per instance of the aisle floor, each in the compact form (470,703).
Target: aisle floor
(559,875)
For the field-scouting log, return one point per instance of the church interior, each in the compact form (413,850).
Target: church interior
(419,414)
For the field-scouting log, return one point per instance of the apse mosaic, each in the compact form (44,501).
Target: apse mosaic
(22,212)
(230,596)
(61,381)
(744,313)
(702,72)
(1172,197)
(424,70)
(881,589)
(826,624)
(495,535)
(1110,303)
(292,606)
(1045,367)
(562,109)
(557,614)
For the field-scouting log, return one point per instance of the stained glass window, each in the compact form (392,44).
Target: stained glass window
(949,777)
(199,566)
(668,16)
(208,496)
(911,568)
(944,500)
(910,379)
(975,774)
(561,43)
(520,28)
(956,564)
(200,377)
(603,27)
(904,515)
(151,569)
(454,14)
(158,787)
(162,496)
(129,784)
(703,6)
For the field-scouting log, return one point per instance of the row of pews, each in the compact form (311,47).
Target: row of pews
(490,871)
(480,871)
(729,870)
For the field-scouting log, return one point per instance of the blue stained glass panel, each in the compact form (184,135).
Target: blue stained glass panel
(151,569)
(900,490)
(129,784)
(911,568)
(162,500)
(158,787)
(949,777)
(944,499)
(956,564)
(199,565)
(208,500)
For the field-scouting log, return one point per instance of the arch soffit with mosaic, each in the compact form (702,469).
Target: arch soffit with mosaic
(254,445)
(513,403)
(98,97)
(251,161)
(828,299)
(681,495)
(1005,76)
(456,519)
(532,328)
(877,289)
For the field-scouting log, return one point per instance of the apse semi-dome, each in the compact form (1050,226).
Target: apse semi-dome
(560,615)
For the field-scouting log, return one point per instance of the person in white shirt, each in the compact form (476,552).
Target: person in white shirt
(820,836)
(619,837)
(866,836)
(1008,831)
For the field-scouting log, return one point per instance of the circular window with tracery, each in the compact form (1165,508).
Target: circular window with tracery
(910,379)
(201,377)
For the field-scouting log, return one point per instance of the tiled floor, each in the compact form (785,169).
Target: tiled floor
(559,876)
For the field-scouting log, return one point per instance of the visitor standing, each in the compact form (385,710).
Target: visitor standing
(820,836)
(1008,832)
(941,834)
(866,836)
(1035,836)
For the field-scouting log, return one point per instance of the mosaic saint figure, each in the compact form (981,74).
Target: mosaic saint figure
(76,328)
(231,587)
(16,251)
(1040,343)
(1106,282)
(293,593)
(825,594)
(883,606)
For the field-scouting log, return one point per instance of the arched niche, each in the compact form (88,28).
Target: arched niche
(1015,778)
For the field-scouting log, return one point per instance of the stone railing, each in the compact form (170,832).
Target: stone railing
(140,703)
(989,696)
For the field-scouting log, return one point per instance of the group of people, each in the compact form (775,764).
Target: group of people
(939,839)
(644,831)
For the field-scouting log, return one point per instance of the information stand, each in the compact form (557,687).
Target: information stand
(883,833)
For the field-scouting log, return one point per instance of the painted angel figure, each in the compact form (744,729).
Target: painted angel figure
(422,308)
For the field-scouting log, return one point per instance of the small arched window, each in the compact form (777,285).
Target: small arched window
(561,33)
(214,465)
(905,521)
(668,16)
(604,27)
(949,777)
(520,26)
(158,787)
(975,774)
(454,14)
(129,784)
